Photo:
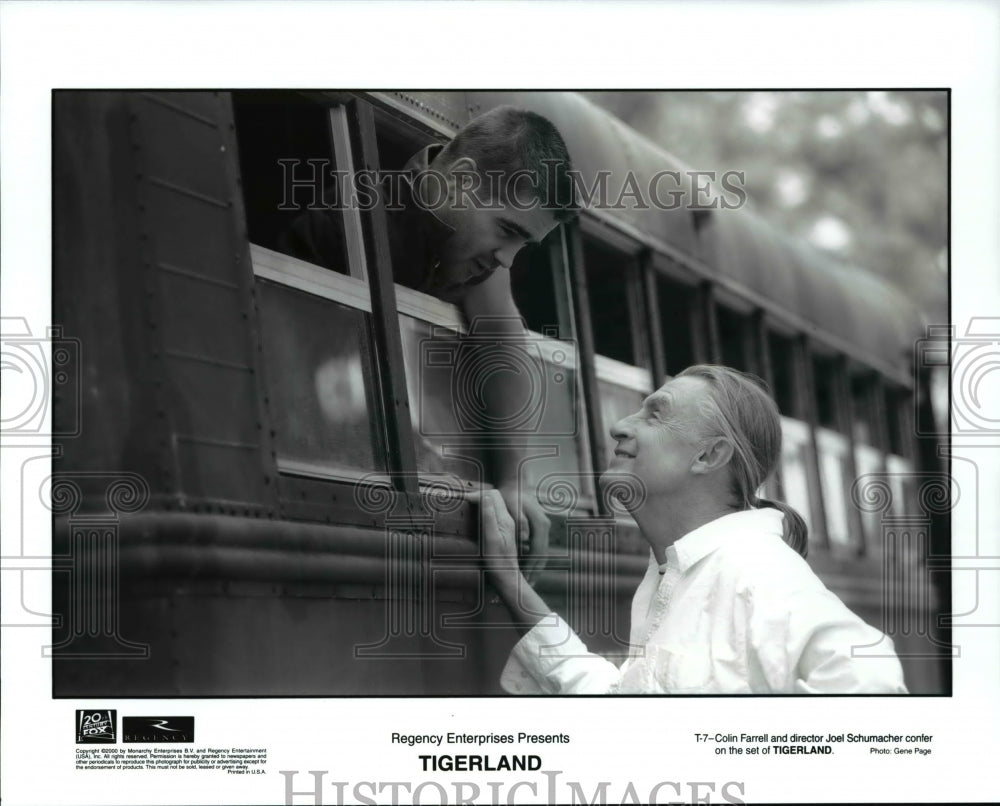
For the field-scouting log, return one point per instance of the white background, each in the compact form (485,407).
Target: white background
(501,45)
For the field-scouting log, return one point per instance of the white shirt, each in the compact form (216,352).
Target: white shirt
(737,611)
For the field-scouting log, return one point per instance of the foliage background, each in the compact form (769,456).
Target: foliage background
(863,175)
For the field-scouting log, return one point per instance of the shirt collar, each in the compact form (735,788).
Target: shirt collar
(701,542)
(420,162)
(419,232)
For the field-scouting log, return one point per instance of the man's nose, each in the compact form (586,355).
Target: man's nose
(505,255)
(622,429)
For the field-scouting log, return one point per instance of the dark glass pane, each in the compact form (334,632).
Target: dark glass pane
(862,415)
(608,273)
(896,404)
(732,334)
(826,401)
(675,300)
(442,379)
(276,126)
(534,289)
(782,359)
(319,380)
(443,445)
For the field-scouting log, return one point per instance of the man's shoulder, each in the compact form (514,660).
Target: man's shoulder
(764,562)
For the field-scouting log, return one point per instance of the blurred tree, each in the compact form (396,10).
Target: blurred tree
(863,175)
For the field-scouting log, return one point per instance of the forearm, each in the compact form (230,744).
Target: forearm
(507,392)
(549,658)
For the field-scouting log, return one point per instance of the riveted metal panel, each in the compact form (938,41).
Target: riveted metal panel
(195,236)
(93,220)
(199,287)
(448,110)
(181,144)
(208,326)
(199,414)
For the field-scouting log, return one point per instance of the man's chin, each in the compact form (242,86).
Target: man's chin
(623,486)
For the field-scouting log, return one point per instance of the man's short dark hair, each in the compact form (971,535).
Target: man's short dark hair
(508,139)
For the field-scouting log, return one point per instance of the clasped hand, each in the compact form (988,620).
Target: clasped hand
(506,538)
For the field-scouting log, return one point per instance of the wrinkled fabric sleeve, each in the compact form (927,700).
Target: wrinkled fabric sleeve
(551,659)
(809,642)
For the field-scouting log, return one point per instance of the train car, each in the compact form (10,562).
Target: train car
(265,488)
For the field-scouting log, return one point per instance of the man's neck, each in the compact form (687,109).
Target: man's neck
(665,521)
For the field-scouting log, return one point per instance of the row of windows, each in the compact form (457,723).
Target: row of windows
(644,322)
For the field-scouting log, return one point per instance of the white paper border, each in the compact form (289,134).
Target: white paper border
(591,45)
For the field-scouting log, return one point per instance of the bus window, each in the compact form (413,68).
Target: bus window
(291,193)
(782,367)
(444,441)
(621,359)
(734,337)
(898,407)
(863,413)
(533,285)
(542,295)
(795,454)
(833,450)
(312,295)
(869,451)
(675,302)
(834,446)
(320,385)
(826,402)
(609,273)
(442,375)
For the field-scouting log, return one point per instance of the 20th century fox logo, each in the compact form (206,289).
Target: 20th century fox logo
(96,726)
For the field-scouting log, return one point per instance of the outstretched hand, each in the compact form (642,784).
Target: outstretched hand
(499,540)
(500,552)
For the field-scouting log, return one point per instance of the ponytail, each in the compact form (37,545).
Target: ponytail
(740,408)
(796,532)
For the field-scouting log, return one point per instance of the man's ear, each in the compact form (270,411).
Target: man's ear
(461,170)
(712,456)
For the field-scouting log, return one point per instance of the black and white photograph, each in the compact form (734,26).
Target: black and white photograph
(383,423)
(373,381)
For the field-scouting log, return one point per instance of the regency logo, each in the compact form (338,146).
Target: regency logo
(158,729)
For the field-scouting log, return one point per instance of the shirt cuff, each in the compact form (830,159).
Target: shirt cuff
(551,659)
